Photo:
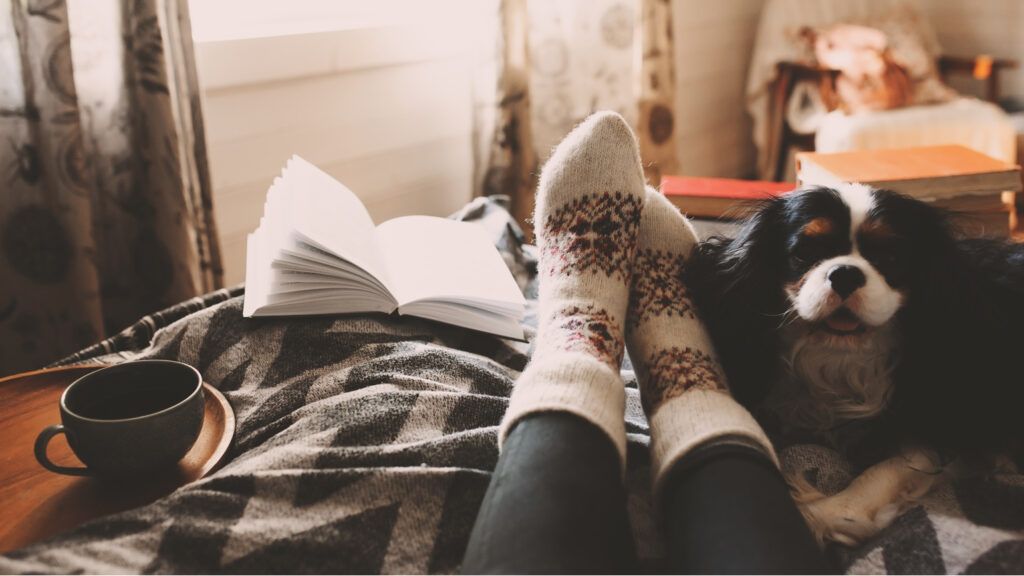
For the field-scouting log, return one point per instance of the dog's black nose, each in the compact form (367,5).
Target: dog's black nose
(845,279)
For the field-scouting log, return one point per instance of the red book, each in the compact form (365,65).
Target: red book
(719,197)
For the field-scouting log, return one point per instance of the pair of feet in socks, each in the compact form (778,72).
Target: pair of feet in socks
(612,252)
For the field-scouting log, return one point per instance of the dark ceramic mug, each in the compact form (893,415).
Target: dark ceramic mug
(128,418)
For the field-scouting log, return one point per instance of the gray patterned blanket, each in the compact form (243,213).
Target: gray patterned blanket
(365,444)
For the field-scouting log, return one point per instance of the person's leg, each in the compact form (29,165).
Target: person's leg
(556,503)
(713,468)
(729,511)
(589,199)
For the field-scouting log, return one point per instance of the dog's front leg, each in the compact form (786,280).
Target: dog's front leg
(873,500)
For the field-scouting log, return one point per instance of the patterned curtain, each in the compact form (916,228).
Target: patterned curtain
(105,209)
(560,60)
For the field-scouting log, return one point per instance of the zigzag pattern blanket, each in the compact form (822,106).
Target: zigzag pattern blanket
(365,444)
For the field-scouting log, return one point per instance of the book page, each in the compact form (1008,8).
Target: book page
(330,216)
(314,250)
(430,258)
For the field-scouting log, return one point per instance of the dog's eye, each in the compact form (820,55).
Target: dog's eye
(807,252)
(882,255)
(888,256)
(886,260)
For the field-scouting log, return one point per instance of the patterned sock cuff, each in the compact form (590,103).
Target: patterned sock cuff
(699,418)
(577,384)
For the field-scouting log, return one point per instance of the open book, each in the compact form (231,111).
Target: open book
(317,251)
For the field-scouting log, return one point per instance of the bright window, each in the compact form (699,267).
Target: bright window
(218,20)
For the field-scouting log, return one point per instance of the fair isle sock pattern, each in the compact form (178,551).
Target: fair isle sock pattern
(671,372)
(589,201)
(592,233)
(590,330)
(682,386)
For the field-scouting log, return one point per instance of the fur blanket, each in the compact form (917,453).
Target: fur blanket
(365,444)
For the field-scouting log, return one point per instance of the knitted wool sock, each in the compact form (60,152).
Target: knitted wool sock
(588,207)
(682,386)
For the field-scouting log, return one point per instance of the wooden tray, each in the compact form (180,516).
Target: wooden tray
(37,503)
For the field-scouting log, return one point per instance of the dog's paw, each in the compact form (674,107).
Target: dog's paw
(802,491)
(836,519)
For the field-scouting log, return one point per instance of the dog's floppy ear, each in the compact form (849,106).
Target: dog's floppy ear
(938,268)
(946,321)
(757,252)
(738,287)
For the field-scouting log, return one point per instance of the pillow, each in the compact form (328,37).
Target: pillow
(869,78)
(881,67)
(909,51)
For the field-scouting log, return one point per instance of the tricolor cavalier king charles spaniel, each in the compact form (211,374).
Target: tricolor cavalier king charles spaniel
(858,318)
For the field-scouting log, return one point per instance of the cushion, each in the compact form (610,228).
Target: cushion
(966,121)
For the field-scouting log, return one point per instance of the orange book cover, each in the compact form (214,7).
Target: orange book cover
(725,188)
(905,163)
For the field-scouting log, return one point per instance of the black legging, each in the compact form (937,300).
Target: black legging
(556,504)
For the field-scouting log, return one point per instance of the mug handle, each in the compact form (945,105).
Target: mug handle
(43,441)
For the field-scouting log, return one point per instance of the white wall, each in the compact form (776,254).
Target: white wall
(389,113)
(713,44)
(972,27)
(387,110)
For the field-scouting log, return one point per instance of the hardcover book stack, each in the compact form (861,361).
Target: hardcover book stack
(978,189)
